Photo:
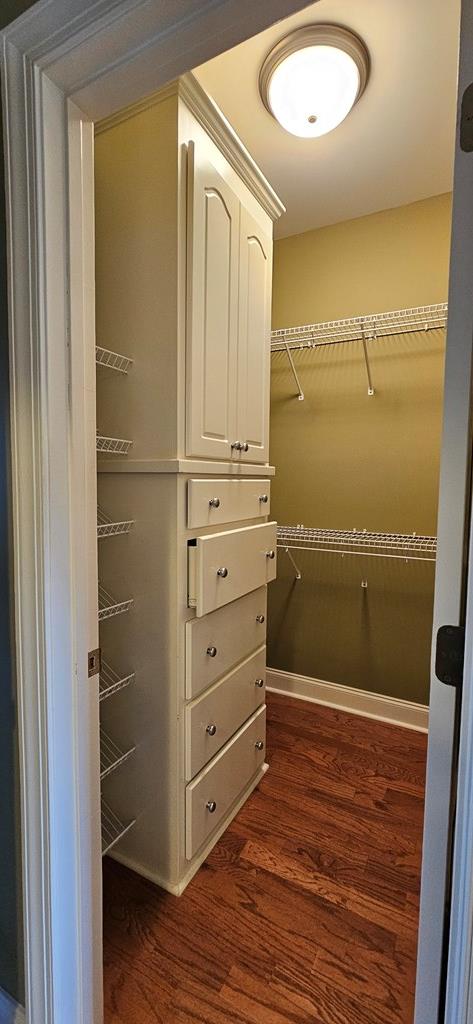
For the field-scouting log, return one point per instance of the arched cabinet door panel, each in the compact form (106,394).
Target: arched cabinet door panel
(254,339)
(212,310)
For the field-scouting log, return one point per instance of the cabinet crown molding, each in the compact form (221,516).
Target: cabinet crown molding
(209,115)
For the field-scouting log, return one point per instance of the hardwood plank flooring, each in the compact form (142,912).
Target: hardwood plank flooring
(307,908)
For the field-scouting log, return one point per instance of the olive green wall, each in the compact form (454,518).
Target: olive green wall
(346,460)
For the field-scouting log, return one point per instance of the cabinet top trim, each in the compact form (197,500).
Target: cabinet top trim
(209,115)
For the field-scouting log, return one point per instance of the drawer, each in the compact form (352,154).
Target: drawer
(214,717)
(211,502)
(222,781)
(225,566)
(229,634)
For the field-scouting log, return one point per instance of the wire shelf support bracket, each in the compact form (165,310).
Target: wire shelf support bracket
(359,328)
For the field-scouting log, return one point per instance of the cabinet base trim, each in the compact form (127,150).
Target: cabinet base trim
(202,466)
(356,702)
(177,888)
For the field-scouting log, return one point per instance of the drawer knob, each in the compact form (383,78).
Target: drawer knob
(245,446)
(270,554)
(211,806)
(212,652)
(223,572)
(264,499)
(214,502)
(237,446)
(260,618)
(259,745)
(260,683)
(211,729)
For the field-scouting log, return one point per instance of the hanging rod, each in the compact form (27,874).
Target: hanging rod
(359,328)
(406,546)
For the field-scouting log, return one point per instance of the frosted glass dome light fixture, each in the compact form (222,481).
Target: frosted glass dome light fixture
(313,77)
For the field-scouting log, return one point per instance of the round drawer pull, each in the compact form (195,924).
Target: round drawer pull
(223,572)
(212,652)
(259,683)
(237,445)
(211,806)
(211,729)
(270,554)
(214,502)
(259,745)
(264,499)
(260,618)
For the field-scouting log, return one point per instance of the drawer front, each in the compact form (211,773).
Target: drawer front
(216,716)
(225,566)
(211,502)
(217,642)
(222,781)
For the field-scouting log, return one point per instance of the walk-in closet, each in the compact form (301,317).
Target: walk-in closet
(271,307)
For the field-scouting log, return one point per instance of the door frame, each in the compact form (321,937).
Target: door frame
(66,64)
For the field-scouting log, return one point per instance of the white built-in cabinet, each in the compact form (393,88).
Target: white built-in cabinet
(229,296)
(183,280)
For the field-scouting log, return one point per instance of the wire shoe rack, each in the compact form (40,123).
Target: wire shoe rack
(112,360)
(364,329)
(111,755)
(106,527)
(111,682)
(112,828)
(109,606)
(113,445)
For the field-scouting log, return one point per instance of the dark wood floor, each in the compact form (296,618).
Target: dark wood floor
(306,910)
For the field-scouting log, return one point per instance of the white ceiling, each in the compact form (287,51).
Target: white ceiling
(396,146)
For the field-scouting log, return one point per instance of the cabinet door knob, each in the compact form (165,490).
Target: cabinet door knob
(212,652)
(245,446)
(260,618)
(259,745)
(259,683)
(211,806)
(211,729)
(237,445)
(270,554)
(214,502)
(223,572)
(264,499)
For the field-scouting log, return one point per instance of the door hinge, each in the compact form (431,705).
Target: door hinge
(449,655)
(94,662)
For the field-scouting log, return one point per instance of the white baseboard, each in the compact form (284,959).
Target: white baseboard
(346,698)
(10,1011)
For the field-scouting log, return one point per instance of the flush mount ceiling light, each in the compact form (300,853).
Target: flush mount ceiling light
(313,77)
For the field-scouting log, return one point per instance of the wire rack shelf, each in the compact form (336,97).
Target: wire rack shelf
(113,445)
(357,328)
(111,755)
(111,682)
(112,828)
(112,360)
(106,527)
(109,606)
(406,546)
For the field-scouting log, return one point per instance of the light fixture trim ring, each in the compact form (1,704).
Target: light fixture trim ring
(317,34)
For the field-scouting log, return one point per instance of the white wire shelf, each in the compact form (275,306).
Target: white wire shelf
(112,360)
(363,329)
(111,682)
(357,328)
(112,828)
(111,755)
(109,606)
(406,546)
(113,445)
(106,527)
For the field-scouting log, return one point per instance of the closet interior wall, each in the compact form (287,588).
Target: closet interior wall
(347,460)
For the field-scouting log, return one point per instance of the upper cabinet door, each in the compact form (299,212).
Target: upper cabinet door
(254,339)
(212,315)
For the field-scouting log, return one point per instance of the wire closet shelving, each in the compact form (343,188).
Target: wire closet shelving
(109,606)
(406,546)
(112,828)
(106,527)
(111,682)
(113,445)
(364,329)
(111,755)
(112,360)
